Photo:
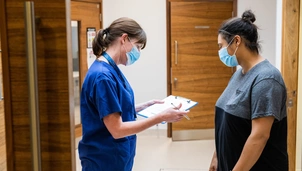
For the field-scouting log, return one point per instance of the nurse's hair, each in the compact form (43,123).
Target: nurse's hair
(245,28)
(105,37)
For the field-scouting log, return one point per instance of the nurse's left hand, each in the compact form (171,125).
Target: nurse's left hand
(155,101)
(142,106)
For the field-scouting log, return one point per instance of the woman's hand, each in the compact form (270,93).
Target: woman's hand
(142,106)
(214,163)
(172,114)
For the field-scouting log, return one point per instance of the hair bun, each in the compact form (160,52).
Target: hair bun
(248,16)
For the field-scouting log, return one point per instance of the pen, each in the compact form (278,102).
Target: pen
(187,117)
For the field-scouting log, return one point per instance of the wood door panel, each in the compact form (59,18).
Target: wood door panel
(52,47)
(204,9)
(2,134)
(200,80)
(199,72)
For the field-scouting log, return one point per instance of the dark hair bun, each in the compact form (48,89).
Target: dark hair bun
(248,16)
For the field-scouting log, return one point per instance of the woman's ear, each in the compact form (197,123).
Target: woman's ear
(124,38)
(238,40)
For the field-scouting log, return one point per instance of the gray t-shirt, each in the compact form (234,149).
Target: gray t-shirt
(260,92)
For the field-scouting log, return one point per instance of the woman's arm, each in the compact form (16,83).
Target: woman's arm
(120,129)
(261,128)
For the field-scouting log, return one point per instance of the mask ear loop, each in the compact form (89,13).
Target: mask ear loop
(231,43)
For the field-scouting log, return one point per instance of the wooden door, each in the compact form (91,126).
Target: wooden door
(54,85)
(196,70)
(88,15)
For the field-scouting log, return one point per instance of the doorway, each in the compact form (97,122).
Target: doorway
(86,20)
(195,70)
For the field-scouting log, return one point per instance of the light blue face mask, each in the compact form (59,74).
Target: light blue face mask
(133,55)
(228,60)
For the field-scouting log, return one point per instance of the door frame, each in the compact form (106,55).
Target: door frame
(78,127)
(289,69)
(6,85)
(169,65)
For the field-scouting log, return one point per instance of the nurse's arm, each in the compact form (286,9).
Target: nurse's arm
(120,129)
(261,128)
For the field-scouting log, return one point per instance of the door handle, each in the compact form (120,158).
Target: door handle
(175,82)
(33,101)
(290,102)
(176,52)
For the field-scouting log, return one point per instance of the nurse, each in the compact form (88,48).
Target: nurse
(108,111)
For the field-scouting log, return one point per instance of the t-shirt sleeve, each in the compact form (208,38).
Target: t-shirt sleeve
(106,97)
(267,99)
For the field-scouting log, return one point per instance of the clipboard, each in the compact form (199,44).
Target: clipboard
(169,102)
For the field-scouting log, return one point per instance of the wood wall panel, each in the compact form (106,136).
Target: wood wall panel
(54,82)
(290,57)
(2,126)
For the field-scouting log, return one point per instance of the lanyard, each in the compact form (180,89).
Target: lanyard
(113,64)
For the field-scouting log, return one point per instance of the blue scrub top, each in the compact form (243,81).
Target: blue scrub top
(105,90)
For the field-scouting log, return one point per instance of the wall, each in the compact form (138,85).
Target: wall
(267,19)
(148,75)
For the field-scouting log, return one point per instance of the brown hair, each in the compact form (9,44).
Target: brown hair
(105,37)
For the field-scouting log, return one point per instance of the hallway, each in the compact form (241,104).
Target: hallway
(156,152)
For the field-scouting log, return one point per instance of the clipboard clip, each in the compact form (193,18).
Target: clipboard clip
(182,98)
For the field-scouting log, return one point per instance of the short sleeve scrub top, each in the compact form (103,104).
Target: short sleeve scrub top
(105,90)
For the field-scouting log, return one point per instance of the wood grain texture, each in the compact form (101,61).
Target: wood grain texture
(6,86)
(201,76)
(57,146)
(290,57)
(2,123)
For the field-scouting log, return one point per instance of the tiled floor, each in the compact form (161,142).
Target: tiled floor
(156,152)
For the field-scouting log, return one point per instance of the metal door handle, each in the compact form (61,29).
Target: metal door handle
(175,82)
(176,52)
(33,101)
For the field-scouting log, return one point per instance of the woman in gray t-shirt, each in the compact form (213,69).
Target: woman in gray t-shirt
(250,115)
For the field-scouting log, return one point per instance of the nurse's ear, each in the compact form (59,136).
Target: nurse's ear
(124,38)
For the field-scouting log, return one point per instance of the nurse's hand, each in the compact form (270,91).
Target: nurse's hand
(142,106)
(173,114)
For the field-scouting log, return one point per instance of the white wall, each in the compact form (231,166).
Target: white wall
(266,20)
(148,75)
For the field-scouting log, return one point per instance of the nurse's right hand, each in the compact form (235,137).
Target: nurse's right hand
(173,114)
